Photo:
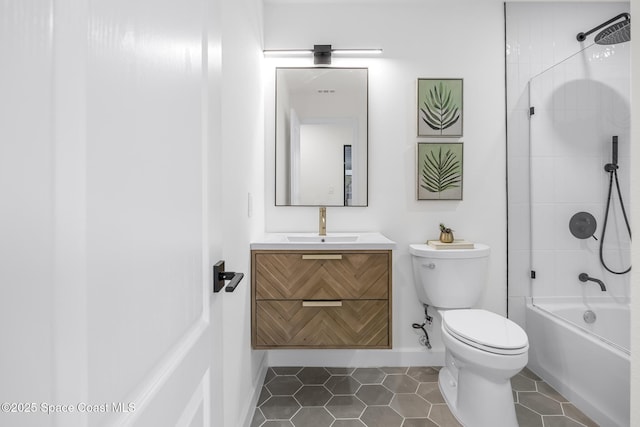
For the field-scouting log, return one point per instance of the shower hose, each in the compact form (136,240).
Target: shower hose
(613,175)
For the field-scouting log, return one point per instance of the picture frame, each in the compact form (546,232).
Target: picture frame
(440,107)
(439,170)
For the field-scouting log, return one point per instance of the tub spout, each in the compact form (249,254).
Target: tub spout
(584,277)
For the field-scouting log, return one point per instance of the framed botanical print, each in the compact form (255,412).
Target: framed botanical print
(440,109)
(439,171)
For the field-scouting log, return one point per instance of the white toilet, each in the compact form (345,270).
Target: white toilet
(483,350)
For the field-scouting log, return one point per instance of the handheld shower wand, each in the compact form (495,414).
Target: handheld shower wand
(610,167)
(612,170)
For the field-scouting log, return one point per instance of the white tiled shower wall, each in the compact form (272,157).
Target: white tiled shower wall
(570,145)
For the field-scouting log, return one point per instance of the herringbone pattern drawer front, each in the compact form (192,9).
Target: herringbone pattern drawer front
(355,276)
(353,289)
(363,323)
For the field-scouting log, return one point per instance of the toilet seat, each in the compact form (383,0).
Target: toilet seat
(485,331)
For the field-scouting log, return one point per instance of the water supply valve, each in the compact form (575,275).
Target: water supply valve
(424,339)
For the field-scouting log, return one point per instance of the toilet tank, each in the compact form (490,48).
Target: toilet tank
(449,278)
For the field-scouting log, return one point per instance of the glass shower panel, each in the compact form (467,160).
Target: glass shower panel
(577,107)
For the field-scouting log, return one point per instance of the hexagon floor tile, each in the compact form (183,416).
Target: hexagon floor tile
(391,396)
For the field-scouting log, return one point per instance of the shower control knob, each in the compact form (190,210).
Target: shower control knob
(582,225)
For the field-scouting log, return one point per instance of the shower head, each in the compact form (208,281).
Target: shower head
(617,33)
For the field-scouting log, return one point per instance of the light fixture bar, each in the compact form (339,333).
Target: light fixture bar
(357,51)
(287,52)
(324,51)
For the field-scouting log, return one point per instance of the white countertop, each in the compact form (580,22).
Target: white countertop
(332,241)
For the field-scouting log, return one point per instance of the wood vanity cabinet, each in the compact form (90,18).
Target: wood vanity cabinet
(320,299)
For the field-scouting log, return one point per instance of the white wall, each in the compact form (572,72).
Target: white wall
(242,170)
(420,39)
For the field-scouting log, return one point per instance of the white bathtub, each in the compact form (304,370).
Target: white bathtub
(590,370)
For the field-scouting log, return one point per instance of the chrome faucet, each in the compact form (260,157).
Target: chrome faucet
(322,223)
(584,277)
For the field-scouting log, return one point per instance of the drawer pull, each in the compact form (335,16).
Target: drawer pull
(322,256)
(322,303)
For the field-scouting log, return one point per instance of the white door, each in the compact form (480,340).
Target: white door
(104,220)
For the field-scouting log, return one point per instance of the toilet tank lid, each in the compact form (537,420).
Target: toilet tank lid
(426,251)
(485,328)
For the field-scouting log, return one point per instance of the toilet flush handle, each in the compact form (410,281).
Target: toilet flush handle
(431,265)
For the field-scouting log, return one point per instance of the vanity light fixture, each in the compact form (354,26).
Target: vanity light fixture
(321,53)
(287,52)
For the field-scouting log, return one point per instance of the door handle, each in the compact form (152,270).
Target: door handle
(220,276)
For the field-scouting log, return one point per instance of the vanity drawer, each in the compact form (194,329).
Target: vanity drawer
(322,324)
(322,275)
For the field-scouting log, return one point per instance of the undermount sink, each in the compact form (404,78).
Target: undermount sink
(313,241)
(296,238)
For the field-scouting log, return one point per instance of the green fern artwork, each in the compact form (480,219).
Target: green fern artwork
(440,107)
(439,171)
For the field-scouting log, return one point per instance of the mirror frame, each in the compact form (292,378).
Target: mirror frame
(365,139)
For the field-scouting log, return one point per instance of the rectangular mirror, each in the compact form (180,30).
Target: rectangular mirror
(321,136)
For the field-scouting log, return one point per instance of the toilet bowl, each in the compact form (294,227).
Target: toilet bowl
(483,350)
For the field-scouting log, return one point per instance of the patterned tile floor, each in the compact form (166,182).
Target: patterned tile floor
(390,397)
